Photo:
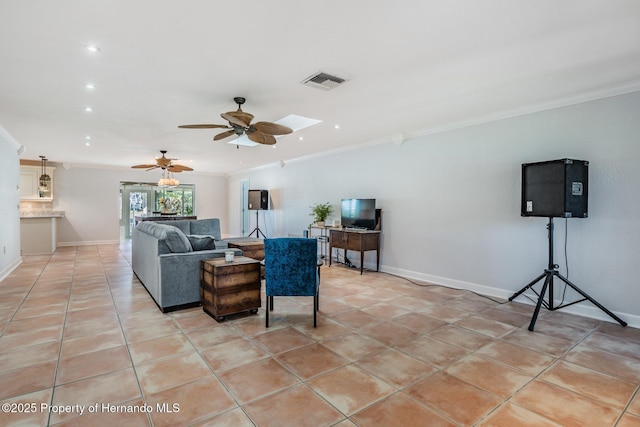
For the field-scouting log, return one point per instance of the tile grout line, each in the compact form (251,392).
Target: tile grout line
(124,336)
(64,325)
(557,357)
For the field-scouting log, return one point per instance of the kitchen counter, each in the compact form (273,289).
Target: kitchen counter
(41,214)
(38,232)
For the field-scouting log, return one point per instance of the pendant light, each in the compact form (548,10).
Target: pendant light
(167,180)
(45,180)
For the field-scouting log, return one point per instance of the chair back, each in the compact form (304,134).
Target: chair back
(291,266)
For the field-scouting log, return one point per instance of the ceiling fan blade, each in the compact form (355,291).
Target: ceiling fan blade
(243,116)
(202,126)
(239,118)
(272,128)
(261,138)
(224,135)
(144,166)
(178,168)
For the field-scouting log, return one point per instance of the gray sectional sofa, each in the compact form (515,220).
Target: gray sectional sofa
(166,258)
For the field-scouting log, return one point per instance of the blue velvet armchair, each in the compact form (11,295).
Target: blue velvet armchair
(291,269)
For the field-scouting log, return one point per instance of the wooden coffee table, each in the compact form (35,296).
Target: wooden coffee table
(250,248)
(229,287)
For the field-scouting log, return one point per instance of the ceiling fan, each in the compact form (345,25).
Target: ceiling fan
(240,123)
(164,163)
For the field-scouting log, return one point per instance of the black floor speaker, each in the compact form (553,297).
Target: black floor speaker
(258,200)
(555,188)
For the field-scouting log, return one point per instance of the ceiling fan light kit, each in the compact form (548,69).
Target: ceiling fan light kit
(240,124)
(168,180)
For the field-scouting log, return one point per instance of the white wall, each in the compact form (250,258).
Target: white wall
(451,202)
(90,199)
(10,206)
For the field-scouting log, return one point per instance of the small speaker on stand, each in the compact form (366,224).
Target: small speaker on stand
(258,201)
(556,188)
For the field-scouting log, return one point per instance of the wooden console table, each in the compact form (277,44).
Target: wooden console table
(356,240)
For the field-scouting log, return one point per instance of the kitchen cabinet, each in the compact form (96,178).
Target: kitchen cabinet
(30,188)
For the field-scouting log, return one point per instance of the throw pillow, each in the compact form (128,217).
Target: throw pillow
(176,240)
(201,242)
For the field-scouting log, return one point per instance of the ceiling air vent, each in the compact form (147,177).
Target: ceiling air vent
(323,81)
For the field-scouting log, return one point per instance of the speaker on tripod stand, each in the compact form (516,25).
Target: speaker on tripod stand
(258,201)
(555,188)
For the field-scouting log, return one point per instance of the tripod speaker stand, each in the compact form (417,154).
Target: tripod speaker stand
(258,201)
(549,273)
(257,229)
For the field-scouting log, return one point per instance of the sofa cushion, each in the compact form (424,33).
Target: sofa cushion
(209,227)
(183,225)
(201,242)
(151,228)
(175,239)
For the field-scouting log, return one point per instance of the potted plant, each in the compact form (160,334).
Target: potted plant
(320,212)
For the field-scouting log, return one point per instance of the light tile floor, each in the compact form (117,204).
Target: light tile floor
(79,331)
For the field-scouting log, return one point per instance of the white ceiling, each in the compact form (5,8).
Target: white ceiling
(413,66)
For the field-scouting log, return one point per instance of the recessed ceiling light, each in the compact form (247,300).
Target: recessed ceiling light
(300,138)
(87,143)
(274,146)
(90,86)
(92,48)
(87,137)
(336,127)
(88,109)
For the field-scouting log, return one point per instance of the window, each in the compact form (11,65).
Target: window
(175,199)
(147,199)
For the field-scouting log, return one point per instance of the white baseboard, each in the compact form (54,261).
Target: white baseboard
(89,243)
(4,273)
(585,308)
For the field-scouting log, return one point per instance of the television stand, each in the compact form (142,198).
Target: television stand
(355,240)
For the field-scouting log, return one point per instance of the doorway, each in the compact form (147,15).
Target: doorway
(148,199)
(244,206)
(135,200)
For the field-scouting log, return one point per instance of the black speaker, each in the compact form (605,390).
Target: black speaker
(258,200)
(555,188)
(378,225)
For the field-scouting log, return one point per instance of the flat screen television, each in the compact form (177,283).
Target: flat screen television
(358,213)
